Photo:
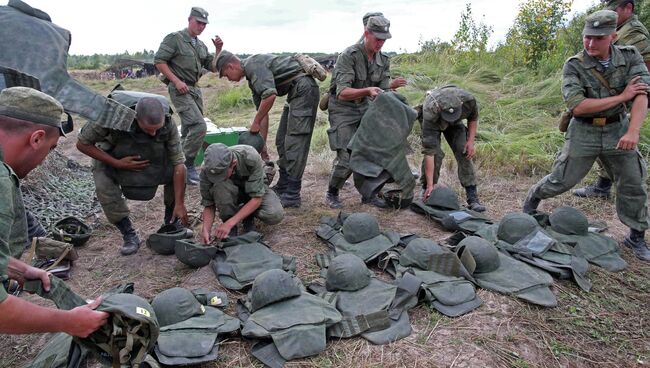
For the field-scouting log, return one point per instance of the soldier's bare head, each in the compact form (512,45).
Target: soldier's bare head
(150,114)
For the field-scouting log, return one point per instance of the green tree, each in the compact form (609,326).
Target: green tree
(471,35)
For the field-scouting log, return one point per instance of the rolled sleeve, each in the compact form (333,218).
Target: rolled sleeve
(473,110)
(166,50)
(92,134)
(572,90)
(344,72)
(205,187)
(173,146)
(261,81)
(429,142)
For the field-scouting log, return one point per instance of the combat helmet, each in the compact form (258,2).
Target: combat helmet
(164,240)
(193,254)
(176,305)
(515,226)
(254,140)
(443,197)
(273,286)
(359,227)
(71,230)
(569,221)
(418,251)
(484,253)
(347,272)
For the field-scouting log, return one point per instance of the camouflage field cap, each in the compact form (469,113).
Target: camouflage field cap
(254,140)
(273,286)
(600,23)
(370,14)
(418,252)
(515,226)
(28,104)
(223,59)
(379,26)
(200,14)
(613,4)
(443,197)
(347,272)
(360,227)
(218,158)
(451,106)
(569,221)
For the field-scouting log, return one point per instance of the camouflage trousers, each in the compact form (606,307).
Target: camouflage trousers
(293,137)
(456,136)
(109,193)
(583,145)
(229,198)
(344,118)
(189,107)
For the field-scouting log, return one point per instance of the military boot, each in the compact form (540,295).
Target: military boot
(600,189)
(131,240)
(192,174)
(332,198)
(532,202)
(636,242)
(281,185)
(472,199)
(290,198)
(375,201)
(248,224)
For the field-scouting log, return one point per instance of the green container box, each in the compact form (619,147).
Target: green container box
(227,136)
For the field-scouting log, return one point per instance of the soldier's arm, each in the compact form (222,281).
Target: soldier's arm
(247,209)
(165,53)
(262,84)
(345,76)
(261,119)
(391,84)
(208,206)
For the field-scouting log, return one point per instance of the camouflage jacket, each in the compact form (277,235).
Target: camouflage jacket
(13,223)
(248,176)
(634,33)
(580,83)
(432,123)
(266,74)
(185,61)
(353,69)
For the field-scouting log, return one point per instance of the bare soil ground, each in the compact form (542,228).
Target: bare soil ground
(608,326)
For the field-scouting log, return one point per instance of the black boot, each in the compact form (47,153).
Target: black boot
(281,185)
(332,198)
(248,224)
(131,240)
(636,242)
(472,199)
(192,174)
(532,202)
(601,189)
(375,201)
(290,198)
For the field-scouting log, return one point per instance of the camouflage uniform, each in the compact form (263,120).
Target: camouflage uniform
(246,182)
(269,75)
(13,223)
(455,133)
(352,69)
(108,190)
(585,141)
(186,62)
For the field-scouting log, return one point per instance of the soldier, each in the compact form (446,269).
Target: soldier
(117,170)
(629,32)
(180,58)
(597,84)
(269,76)
(232,180)
(30,127)
(443,112)
(361,72)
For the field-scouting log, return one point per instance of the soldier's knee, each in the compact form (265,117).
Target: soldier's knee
(273,217)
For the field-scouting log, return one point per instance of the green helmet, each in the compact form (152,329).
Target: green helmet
(71,230)
(164,240)
(176,305)
(443,197)
(484,253)
(347,272)
(359,227)
(273,286)
(193,254)
(254,140)
(569,221)
(515,226)
(418,251)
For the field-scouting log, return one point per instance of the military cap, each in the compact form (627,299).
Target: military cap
(613,4)
(600,23)
(200,14)
(222,59)
(379,26)
(451,106)
(28,104)
(218,158)
(371,14)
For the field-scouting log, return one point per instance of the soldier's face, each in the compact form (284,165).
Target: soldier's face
(598,46)
(233,72)
(373,43)
(150,128)
(41,144)
(195,27)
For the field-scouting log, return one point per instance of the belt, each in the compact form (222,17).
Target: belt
(191,84)
(602,121)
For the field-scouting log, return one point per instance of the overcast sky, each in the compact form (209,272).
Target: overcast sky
(261,26)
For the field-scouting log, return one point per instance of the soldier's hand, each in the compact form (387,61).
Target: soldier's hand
(373,91)
(398,82)
(469,150)
(86,320)
(427,192)
(33,273)
(634,88)
(222,231)
(180,212)
(628,141)
(218,43)
(205,236)
(181,87)
(132,163)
